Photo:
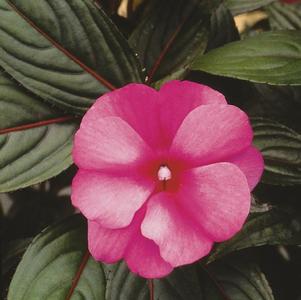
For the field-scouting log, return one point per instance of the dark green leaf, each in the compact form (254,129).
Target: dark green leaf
(54,258)
(275,227)
(241,6)
(270,57)
(33,155)
(284,16)
(10,257)
(234,279)
(51,263)
(12,252)
(241,279)
(279,103)
(281,149)
(67,52)
(168,39)
(222,28)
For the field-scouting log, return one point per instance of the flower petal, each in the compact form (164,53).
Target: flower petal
(251,163)
(110,200)
(143,258)
(141,254)
(218,198)
(136,104)
(210,133)
(181,97)
(180,240)
(108,245)
(107,143)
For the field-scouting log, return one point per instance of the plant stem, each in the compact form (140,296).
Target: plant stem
(151,289)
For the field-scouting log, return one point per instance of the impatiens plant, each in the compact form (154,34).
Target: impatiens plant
(150,150)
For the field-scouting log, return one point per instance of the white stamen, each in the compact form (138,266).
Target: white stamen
(164,173)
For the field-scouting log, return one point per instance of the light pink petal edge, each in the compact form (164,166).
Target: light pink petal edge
(141,254)
(180,240)
(251,163)
(139,106)
(211,133)
(179,98)
(110,200)
(217,197)
(108,143)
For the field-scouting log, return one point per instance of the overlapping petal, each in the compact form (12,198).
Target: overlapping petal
(139,106)
(141,254)
(250,161)
(108,143)
(180,239)
(143,258)
(109,245)
(210,133)
(179,99)
(110,200)
(217,196)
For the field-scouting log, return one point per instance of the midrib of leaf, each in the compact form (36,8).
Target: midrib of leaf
(38,124)
(216,283)
(78,274)
(62,49)
(165,50)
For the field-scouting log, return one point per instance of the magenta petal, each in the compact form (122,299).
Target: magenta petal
(143,258)
(108,143)
(141,254)
(251,163)
(179,239)
(108,245)
(136,104)
(181,97)
(211,132)
(111,201)
(218,198)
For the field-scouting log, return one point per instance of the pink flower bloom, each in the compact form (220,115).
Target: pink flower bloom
(163,175)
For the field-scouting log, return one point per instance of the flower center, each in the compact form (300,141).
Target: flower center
(164,173)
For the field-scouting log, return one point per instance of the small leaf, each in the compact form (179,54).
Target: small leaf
(240,6)
(284,16)
(167,40)
(281,149)
(30,156)
(67,52)
(275,227)
(270,57)
(50,264)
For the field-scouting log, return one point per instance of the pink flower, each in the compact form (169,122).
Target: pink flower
(163,175)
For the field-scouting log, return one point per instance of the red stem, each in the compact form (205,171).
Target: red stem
(61,48)
(164,52)
(151,289)
(37,124)
(78,274)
